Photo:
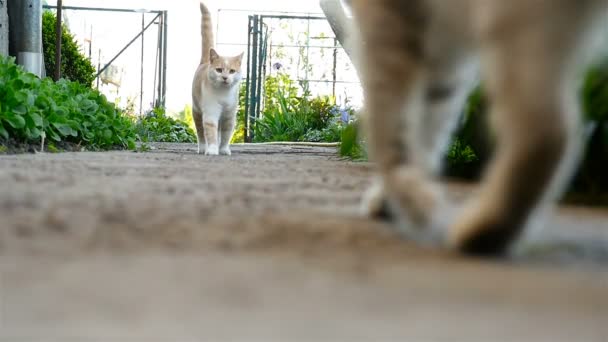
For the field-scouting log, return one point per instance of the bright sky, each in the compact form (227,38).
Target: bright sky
(112,31)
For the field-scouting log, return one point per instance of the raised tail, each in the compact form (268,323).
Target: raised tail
(207,34)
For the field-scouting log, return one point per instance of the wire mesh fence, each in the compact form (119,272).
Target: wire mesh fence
(299,46)
(130,58)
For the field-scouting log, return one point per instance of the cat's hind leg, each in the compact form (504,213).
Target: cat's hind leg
(446,86)
(197,117)
(526,75)
(392,69)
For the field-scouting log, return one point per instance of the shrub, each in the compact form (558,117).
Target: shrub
(31,108)
(289,116)
(284,122)
(156,126)
(591,177)
(74,66)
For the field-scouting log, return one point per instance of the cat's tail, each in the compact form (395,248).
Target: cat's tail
(207,34)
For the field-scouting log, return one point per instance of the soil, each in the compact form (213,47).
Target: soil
(266,245)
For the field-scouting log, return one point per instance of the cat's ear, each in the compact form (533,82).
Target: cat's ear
(239,58)
(213,55)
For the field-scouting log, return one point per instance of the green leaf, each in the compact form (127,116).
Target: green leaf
(107,134)
(16,121)
(34,133)
(3,132)
(37,119)
(61,111)
(17,84)
(20,110)
(53,135)
(64,129)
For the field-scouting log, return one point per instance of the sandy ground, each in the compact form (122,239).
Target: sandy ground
(265,245)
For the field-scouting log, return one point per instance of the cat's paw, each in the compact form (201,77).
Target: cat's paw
(225,151)
(482,230)
(374,203)
(414,204)
(413,194)
(212,150)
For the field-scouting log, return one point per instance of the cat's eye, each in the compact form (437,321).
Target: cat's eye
(219,70)
(232,71)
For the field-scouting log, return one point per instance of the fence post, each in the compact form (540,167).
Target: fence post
(25,34)
(253,80)
(58,35)
(3,28)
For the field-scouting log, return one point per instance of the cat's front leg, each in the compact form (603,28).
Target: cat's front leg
(226,132)
(211,137)
(374,202)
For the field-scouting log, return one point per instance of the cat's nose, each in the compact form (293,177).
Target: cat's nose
(225,78)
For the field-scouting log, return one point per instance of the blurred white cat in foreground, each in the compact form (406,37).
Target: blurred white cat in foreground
(415,59)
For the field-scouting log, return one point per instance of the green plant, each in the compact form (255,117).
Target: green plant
(590,183)
(239,130)
(33,109)
(143,147)
(156,126)
(52,148)
(292,114)
(185,116)
(351,145)
(461,160)
(284,123)
(74,65)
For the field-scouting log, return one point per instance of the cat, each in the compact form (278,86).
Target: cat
(215,93)
(418,60)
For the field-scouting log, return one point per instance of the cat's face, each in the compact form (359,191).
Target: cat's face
(225,71)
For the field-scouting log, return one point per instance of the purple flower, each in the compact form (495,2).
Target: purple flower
(277,66)
(344,115)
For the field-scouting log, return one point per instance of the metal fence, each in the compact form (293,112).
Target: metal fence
(301,46)
(116,52)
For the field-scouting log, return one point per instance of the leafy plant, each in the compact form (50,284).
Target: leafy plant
(32,109)
(239,130)
(591,177)
(292,114)
(185,116)
(74,65)
(351,145)
(283,123)
(156,126)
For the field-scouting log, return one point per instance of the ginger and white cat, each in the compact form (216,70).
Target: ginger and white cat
(418,60)
(215,93)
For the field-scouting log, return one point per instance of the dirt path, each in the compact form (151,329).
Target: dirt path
(265,245)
